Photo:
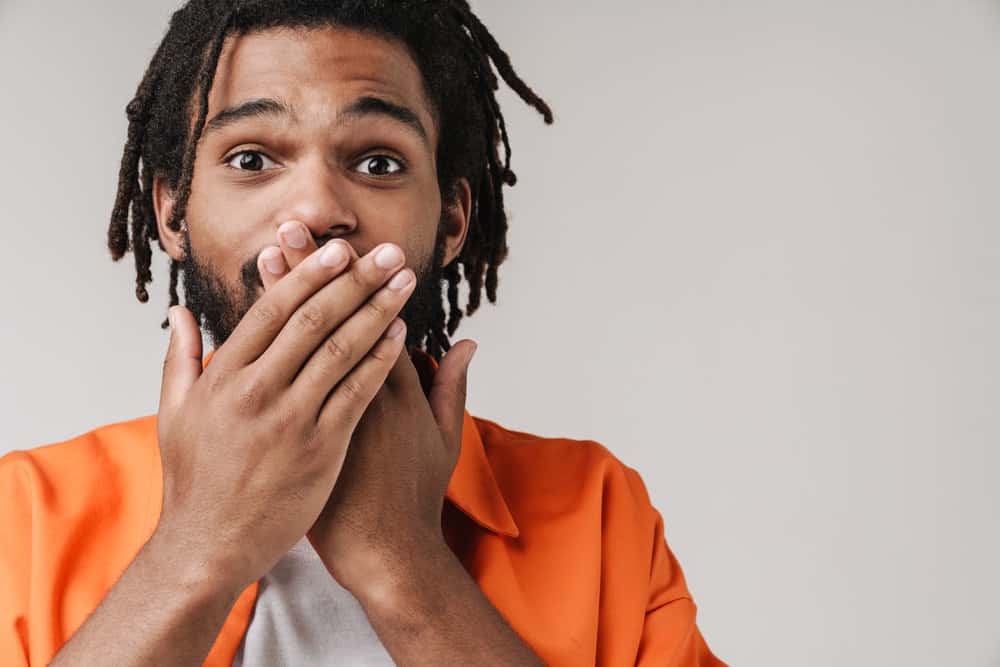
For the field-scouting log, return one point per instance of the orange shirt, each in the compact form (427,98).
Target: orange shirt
(558,533)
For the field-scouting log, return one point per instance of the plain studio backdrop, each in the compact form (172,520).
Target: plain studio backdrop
(757,256)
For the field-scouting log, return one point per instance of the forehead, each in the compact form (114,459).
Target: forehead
(317,70)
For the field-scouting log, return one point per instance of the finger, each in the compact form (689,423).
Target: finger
(449,390)
(182,365)
(349,342)
(255,332)
(312,329)
(271,266)
(348,401)
(296,242)
(275,264)
(403,376)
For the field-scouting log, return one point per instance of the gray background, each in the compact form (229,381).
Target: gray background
(756,257)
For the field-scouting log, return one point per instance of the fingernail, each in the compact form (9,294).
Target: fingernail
(401,279)
(394,329)
(293,236)
(388,257)
(272,261)
(170,317)
(333,254)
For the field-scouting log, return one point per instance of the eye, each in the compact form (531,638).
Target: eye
(380,165)
(249,161)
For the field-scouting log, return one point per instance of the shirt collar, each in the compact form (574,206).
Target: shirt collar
(472,487)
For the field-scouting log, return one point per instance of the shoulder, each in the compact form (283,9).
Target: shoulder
(73,515)
(73,463)
(576,474)
(99,476)
(574,496)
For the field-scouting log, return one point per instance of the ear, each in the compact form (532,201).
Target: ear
(163,206)
(457,213)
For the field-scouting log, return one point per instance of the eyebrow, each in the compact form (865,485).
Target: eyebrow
(258,108)
(363,107)
(375,106)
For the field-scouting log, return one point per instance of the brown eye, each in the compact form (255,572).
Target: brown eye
(380,165)
(249,161)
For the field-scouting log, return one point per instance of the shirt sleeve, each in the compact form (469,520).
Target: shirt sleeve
(15,560)
(670,634)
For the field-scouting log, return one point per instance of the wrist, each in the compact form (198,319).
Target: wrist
(189,607)
(399,586)
(173,562)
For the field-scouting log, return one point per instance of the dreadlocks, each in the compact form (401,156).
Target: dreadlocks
(456,55)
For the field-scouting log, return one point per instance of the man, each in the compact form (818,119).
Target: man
(315,170)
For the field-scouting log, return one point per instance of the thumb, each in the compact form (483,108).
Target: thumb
(182,365)
(448,390)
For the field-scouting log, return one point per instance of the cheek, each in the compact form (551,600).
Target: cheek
(409,221)
(222,228)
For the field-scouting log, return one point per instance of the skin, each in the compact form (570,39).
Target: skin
(314,169)
(364,456)
(421,601)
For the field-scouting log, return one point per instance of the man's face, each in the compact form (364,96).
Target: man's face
(326,126)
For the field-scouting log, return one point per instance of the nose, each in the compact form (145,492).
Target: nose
(320,199)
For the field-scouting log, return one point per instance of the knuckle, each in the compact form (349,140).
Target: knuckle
(310,318)
(250,396)
(216,379)
(312,440)
(375,309)
(381,352)
(338,349)
(264,311)
(282,422)
(352,389)
(358,277)
(340,417)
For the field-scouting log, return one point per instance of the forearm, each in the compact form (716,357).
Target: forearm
(161,611)
(437,615)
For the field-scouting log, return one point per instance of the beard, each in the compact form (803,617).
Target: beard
(222,306)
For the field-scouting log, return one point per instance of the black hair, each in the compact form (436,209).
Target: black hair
(456,55)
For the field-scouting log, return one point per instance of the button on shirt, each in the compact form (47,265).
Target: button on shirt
(558,533)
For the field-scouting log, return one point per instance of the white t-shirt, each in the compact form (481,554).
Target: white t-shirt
(303,617)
